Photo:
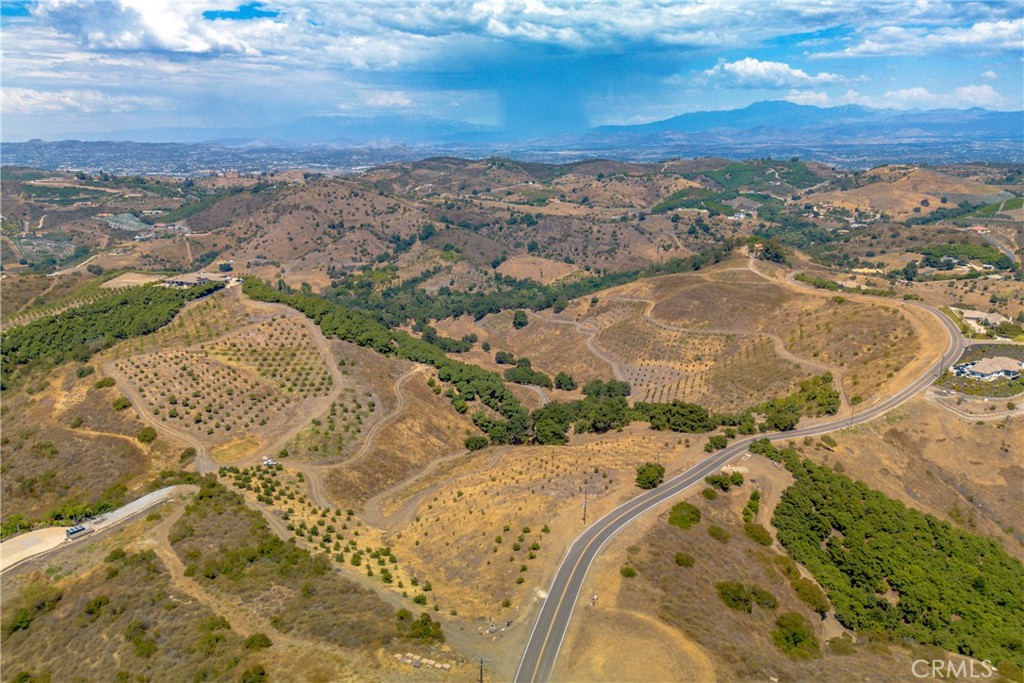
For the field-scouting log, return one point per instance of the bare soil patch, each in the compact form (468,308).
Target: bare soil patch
(536,268)
(130,280)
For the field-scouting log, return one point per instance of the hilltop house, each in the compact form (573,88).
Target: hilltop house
(193,279)
(989,369)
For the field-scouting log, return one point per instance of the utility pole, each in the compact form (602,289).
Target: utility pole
(482,660)
(585,494)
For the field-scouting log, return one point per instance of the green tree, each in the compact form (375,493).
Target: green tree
(147,435)
(519,319)
(475,443)
(649,475)
(564,382)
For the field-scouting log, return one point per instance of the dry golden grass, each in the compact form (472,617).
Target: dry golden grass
(462,509)
(130,280)
(426,429)
(536,268)
(47,461)
(901,189)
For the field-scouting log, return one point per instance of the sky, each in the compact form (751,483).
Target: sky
(537,67)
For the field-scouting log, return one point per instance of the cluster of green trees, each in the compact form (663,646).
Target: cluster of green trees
(956,590)
(819,282)
(965,251)
(523,373)
(398,305)
(424,628)
(470,381)
(604,407)
(79,332)
(817,396)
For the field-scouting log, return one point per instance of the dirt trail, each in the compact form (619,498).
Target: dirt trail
(390,417)
(31,301)
(373,510)
(204,463)
(588,331)
(313,473)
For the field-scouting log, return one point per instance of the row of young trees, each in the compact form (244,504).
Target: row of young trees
(603,409)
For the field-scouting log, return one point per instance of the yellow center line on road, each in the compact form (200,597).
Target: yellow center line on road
(635,503)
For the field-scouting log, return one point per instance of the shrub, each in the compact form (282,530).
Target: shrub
(120,403)
(716,443)
(709,493)
(752,506)
(519,319)
(649,475)
(504,358)
(757,533)
(104,383)
(794,635)
(683,515)
(763,598)
(718,533)
(475,443)
(566,382)
(147,435)
(628,571)
(734,594)
(257,641)
(684,560)
(725,480)
(85,371)
(811,595)
(19,621)
(254,674)
(843,645)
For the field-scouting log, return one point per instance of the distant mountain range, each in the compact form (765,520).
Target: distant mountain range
(773,119)
(848,135)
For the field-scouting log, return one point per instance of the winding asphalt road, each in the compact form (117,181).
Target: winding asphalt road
(556,612)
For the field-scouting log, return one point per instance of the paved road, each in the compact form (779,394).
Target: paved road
(556,612)
(20,548)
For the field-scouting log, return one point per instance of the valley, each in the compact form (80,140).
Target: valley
(435,376)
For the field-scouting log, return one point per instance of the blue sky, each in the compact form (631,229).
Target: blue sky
(534,66)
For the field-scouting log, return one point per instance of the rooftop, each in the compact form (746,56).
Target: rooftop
(988,366)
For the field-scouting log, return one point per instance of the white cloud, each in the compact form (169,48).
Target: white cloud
(983,36)
(990,75)
(916,97)
(980,96)
(157,25)
(28,101)
(754,73)
(388,98)
(817,99)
